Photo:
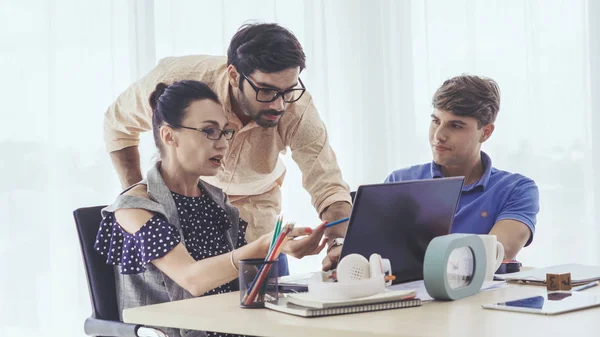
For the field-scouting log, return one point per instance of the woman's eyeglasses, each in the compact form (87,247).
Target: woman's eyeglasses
(211,132)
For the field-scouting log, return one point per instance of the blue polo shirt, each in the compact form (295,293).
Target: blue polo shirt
(498,195)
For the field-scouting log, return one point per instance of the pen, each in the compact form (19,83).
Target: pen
(586,286)
(336,222)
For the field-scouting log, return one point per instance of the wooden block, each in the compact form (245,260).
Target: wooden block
(552,282)
(555,282)
(565,281)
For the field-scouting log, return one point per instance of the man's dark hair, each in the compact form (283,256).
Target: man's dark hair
(266,47)
(469,96)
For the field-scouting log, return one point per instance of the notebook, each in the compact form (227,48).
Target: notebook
(580,274)
(309,300)
(289,308)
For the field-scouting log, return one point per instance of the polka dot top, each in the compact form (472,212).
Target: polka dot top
(203,223)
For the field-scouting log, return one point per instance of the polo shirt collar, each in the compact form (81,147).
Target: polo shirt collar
(436,172)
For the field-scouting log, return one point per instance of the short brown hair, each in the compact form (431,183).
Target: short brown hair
(469,96)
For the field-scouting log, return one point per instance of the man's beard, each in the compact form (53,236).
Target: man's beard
(257,117)
(266,123)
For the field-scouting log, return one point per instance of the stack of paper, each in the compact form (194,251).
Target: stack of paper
(421,292)
(580,274)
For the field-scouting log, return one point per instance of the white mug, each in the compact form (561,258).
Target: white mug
(494,253)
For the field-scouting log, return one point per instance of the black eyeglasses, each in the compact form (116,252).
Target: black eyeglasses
(211,133)
(269,95)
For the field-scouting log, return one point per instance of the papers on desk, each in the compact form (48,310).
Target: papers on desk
(297,280)
(419,288)
(580,274)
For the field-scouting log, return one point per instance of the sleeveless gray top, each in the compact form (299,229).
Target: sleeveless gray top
(152,286)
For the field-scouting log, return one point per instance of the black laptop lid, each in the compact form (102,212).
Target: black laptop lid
(398,220)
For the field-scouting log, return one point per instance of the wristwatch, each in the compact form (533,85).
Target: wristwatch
(335,242)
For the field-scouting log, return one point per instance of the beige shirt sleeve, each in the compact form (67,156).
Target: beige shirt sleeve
(321,175)
(131,114)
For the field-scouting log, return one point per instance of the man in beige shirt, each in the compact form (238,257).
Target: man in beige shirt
(268,106)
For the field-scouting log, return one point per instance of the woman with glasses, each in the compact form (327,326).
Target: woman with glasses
(172,235)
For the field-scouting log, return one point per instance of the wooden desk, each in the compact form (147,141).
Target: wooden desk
(460,318)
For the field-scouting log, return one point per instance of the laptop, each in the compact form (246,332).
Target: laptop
(397,220)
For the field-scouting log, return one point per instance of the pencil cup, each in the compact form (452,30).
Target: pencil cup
(258,282)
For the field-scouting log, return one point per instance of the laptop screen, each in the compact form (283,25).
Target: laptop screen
(398,220)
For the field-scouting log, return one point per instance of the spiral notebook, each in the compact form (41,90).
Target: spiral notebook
(388,295)
(289,308)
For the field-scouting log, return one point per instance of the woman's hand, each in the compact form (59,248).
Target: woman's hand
(300,242)
(311,243)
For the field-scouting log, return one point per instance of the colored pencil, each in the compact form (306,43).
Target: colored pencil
(586,286)
(336,222)
(276,231)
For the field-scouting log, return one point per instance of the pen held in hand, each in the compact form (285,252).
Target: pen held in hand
(586,286)
(336,222)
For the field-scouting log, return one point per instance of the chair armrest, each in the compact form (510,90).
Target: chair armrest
(100,327)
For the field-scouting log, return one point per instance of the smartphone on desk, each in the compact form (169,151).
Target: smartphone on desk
(285,288)
(294,283)
(551,303)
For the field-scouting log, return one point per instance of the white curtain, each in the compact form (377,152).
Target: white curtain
(62,63)
(372,68)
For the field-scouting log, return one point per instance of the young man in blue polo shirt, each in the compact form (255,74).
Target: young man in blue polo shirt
(492,201)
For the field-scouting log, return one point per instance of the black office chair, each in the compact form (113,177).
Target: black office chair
(104,320)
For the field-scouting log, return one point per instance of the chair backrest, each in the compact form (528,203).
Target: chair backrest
(100,276)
